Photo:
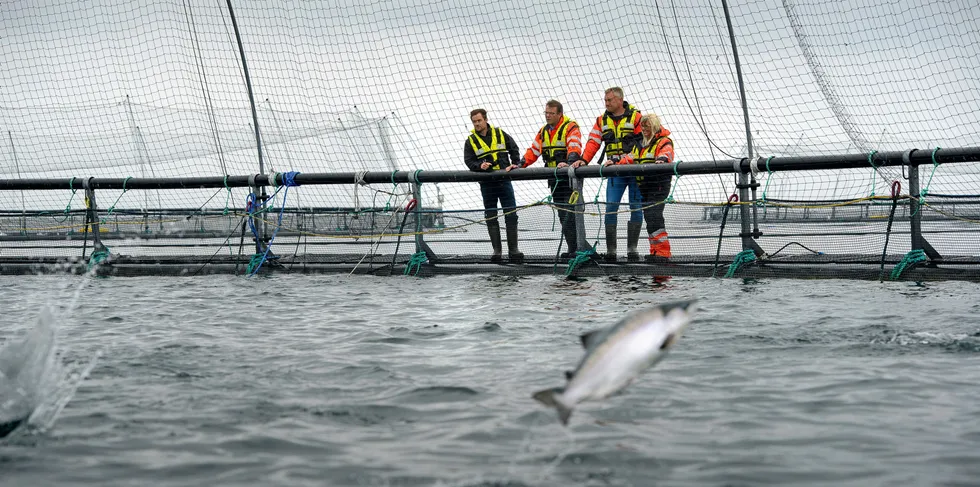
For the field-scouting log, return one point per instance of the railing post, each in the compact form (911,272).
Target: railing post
(258,202)
(915,212)
(581,242)
(420,245)
(746,219)
(92,217)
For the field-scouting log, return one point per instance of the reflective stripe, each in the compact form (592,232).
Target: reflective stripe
(659,236)
(619,131)
(648,156)
(556,150)
(644,155)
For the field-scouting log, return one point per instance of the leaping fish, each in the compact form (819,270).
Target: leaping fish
(616,355)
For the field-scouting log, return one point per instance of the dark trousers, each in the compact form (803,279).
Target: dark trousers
(504,192)
(654,191)
(560,193)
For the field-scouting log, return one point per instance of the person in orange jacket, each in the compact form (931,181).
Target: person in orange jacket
(656,147)
(619,129)
(559,143)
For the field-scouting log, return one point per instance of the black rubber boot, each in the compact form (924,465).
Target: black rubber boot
(493,228)
(632,238)
(515,255)
(571,238)
(610,243)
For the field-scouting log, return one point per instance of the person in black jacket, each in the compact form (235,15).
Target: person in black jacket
(491,149)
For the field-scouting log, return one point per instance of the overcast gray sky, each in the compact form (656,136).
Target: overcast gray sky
(821,77)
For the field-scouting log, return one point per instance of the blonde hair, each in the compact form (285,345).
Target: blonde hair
(653,121)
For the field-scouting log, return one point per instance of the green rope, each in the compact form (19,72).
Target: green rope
(112,207)
(227,197)
(98,257)
(925,189)
(670,197)
(911,259)
(873,170)
(598,206)
(768,178)
(71,183)
(415,262)
(254,262)
(743,257)
(581,257)
(418,221)
(392,195)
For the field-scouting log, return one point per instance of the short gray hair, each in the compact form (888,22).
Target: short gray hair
(617,90)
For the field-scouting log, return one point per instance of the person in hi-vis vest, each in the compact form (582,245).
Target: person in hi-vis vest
(489,149)
(656,148)
(559,143)
(619,128)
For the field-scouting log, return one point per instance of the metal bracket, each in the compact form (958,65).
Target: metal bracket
(907,161)
(737,165)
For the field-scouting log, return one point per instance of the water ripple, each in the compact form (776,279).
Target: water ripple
(389,381)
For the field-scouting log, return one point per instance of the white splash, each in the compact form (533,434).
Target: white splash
(35,382)
(28,366)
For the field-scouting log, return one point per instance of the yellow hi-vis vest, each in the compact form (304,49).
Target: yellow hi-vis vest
(554,151)
(648,154)
(626,127)
(485,153)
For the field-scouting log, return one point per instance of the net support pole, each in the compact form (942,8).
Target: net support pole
(23,205)
(915,211)
(260,240)
(262,195)
(420,245)
(137,150)
(745,178)
(581,242)
(92,217)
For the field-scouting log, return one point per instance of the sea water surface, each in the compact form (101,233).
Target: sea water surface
(399,381)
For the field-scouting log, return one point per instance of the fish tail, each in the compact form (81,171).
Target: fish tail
(9,427)
(552,398)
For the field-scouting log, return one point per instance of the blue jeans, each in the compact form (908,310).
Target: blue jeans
(503,191)
(615,187)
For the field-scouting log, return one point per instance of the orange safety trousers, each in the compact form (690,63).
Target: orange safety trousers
(659,245)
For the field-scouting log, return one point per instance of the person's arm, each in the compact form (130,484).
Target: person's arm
(533,152)
(469,157)
(512,150)
(665,153)
(630,156)
(636,138)
(573,144)
(595,139)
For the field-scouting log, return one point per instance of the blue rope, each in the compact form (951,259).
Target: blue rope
(256,264)
(288,179)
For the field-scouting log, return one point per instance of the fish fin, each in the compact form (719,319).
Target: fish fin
(549,397)
(668,341)
(569,374)
(589,337)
